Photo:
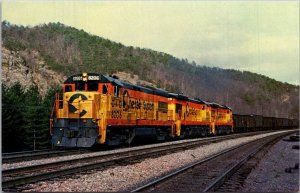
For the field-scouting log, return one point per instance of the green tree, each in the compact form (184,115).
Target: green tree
(47,105)
(32,114)
(12,117)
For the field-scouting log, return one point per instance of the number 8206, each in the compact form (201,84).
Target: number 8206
(116,114)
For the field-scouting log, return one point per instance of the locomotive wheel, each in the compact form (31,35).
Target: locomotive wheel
(227,131)
(184,133)
(203,133)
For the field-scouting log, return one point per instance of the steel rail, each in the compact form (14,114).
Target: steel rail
(24,152)
(99,161)
(221,179)
(188,144)
(169,147)
(202,161)
(27,156)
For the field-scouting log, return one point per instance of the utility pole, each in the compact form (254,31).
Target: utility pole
(227,99)
(33,139)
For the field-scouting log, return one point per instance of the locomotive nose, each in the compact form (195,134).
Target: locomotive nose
(77,126)
(75,102)
(81,105)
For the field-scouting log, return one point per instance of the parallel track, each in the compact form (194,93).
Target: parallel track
(39,154)
(232,180)
(30,174)
(211,173)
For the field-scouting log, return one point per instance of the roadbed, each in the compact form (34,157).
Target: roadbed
(276,171)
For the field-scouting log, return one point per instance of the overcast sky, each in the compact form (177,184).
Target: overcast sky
(261,37)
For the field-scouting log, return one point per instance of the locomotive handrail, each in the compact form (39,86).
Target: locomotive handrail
(170,115)
(54,106)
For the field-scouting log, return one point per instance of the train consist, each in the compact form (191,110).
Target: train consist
(99,109)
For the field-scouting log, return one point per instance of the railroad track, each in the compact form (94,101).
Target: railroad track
(233,179)
(30,174)
(38,154)
(224,171)
(12,178)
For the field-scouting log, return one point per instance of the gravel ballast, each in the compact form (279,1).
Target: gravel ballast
(99,153)
(126,178)
(270,176)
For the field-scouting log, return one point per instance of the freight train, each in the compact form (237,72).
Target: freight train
(98,109)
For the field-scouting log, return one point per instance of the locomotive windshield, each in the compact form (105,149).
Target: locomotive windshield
(83,82)
(79,86)
(92,86)
(86,86)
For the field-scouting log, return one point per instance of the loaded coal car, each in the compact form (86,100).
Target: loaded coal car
(290,123)
(295,123)
(245,123)
(279,123)
(285,123)
(240,123)
(258,122)
(269,123)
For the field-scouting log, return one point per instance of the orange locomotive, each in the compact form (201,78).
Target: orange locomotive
(191,116)
(98,109)
(221,119)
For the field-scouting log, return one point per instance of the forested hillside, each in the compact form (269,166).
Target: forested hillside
(67,50)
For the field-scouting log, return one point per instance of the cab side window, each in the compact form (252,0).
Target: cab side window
(68,88)
(104,89)
(80,86)
(93,86)
(178,108)
(116,91)
(162,106)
